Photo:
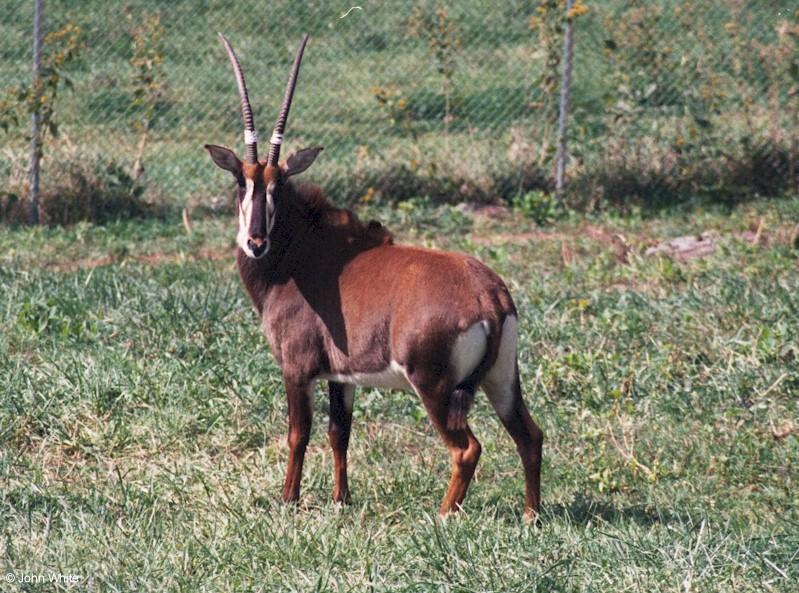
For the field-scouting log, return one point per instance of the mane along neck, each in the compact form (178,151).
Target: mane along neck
(309,231)
(310,206)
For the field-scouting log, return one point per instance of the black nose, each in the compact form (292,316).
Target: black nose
(257,248)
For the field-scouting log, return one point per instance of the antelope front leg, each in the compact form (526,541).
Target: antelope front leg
(341,397)
(299,400)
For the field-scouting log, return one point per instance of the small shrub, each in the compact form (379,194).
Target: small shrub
(443,39)
(395,108)
(12,207)
(658,178)
(540,206)
(147,80)
(60,49)
(95,191)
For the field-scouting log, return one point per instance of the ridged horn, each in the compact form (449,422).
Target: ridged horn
(250,135)
(280,124)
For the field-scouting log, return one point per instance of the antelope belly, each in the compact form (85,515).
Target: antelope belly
(391,377)
(468,350)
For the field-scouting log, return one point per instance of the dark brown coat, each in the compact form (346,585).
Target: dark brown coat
(339,301)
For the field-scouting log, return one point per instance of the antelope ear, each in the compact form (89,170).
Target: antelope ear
(225,159)
(301,160)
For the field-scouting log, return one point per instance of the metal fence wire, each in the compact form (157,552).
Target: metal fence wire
(451,100)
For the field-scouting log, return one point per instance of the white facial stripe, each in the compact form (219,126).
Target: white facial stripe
(270,207)
(249,185)
(245,211)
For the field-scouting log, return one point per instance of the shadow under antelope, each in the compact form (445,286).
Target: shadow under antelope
(340,302)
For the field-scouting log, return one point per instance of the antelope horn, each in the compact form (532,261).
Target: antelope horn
(250,135)
(280,124)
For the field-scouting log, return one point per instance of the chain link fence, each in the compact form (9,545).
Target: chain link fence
(451,100)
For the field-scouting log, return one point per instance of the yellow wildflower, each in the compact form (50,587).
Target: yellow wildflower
(578,9)
(369,195)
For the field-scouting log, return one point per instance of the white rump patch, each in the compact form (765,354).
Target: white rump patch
(499,380)
(468,350)
(392,377)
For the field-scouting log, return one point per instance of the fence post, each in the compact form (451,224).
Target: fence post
(565,84)
(36,116)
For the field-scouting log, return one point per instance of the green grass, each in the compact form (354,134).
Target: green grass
(142,436)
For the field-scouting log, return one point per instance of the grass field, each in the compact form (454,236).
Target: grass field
(142,437)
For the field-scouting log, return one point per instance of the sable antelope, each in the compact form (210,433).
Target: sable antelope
(340,302)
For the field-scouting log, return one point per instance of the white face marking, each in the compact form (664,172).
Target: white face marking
(391,377)
(245,215)
(245,212)
(500,379)
(270,207)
